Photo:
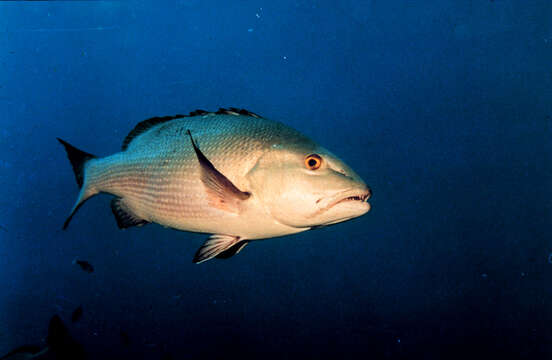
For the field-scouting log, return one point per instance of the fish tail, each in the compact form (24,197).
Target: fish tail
(79,160)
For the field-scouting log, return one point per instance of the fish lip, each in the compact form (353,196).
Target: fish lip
(361,195)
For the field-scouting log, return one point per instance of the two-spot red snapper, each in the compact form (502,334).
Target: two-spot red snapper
(230,173)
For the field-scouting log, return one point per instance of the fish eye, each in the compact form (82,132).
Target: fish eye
(313,161)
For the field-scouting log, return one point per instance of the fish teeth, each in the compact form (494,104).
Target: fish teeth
(362,197)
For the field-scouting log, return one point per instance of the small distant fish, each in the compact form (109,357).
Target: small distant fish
(59,345)
(125,339)
(230,173)
(85,265)
(3,228)
(77,314)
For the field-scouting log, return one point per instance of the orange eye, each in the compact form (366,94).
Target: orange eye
(313,161)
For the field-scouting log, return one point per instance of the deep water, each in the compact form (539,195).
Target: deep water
(443,107)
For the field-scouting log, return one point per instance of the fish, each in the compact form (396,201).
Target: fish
(84,265)
(166,356)
(231,173)
(77,314)
(125,339)
(59,345)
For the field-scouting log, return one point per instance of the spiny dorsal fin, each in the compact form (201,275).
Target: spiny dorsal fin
(236,111)
(145,125)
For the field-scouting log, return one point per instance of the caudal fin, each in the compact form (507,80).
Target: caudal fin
(78,159)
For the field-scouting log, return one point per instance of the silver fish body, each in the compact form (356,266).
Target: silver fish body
(231,173)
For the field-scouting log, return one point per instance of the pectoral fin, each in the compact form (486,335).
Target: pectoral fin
(222,193)
(214,246)
(235,249)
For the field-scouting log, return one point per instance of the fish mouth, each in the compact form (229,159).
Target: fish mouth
(362,197)
(348,196)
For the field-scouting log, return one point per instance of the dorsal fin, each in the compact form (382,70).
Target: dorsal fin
(145,125)
(198,112)
(236,111)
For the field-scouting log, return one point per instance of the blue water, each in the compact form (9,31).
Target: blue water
(443,107)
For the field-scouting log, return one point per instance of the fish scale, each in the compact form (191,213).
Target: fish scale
(147,172)
(231,173)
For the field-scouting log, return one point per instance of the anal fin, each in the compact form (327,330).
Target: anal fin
(214,246)
(124,216)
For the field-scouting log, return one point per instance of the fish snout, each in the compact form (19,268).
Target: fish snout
(368,192)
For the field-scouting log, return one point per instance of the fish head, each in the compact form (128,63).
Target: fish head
(303,185)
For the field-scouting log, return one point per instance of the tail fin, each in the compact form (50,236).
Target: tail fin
(78,159)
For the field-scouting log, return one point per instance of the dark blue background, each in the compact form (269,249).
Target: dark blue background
(443,107)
